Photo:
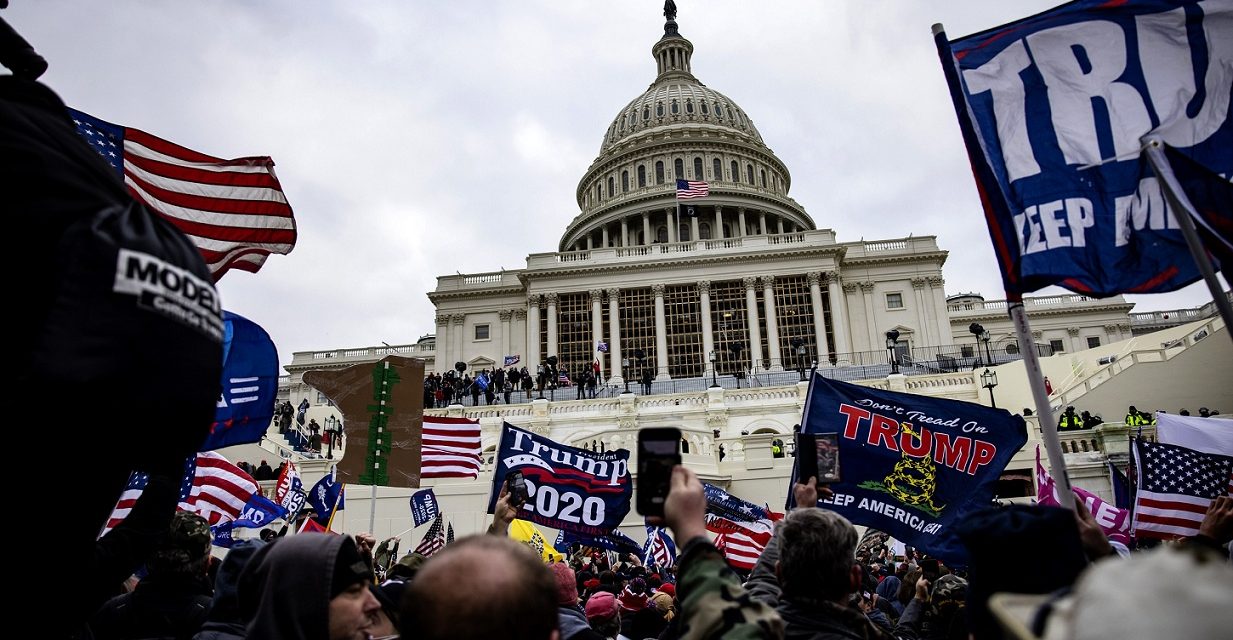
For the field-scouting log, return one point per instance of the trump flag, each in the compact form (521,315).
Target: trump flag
(912,466)
(570,489)
(1056,110)
(250,384)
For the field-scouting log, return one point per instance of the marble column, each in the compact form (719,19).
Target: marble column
(693,228)
(661,334)
(1076,345)
(708,335)
(670,221)
(779,221)
(819,318)
(847,344)
(647,238)
(590,240)
(751,316)
(624,231)
(459,334)
(762,223)
(937,295)
(718,233)
(551,298)
(772,323)
(441,360)
(519,331)
(534,357)
(614,330)
(504,315)
(597,323)
(926,317)
(740,219)
(604,237)
(871,320)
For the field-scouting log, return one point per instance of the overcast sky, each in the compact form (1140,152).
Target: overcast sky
(416,139)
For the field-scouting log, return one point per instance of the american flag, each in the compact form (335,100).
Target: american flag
(234,211)
(451,448)
(1176,485)
(659,548)
(212,487)
(691,189)
(741,543)
(434,539)
(449,533)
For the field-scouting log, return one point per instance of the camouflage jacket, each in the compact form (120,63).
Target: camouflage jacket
(713,602)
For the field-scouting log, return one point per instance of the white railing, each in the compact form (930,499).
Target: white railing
(485,278)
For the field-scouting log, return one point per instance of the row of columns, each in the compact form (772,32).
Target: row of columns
(536,302)
(672,221)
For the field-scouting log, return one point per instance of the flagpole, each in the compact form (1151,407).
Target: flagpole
(1044,412)
(372,508)
(334,510)
(1182,207)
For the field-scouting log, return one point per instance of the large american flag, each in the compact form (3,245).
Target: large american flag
(212,487)
(234,211)
(691,189)
(1176,486)
(434,539)
(741,543)
(451,448)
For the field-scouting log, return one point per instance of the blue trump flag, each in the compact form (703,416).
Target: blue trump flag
(324,495)
(424,506)
(571,489)
(250,384)
(613,541)
(911,466)
(1055,111)
(222,534)
(259,512)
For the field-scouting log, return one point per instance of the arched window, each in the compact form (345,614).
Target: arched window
(689,106)
(676,107)
(683,233)
(624,181)
(611,186)
(661,234)
(659,172)
(698,168)
(717,168)
(736,172)
(719,111)
(704,231)
(678,167)
(749,174)
(641,175)
(659,109)
(764,178)
(646,112)
(705,109)
(599,192)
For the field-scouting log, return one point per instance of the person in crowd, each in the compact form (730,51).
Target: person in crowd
(592,383)
(571,618)
(173,599)
(264,471)
(647,379)
(308,586)
(1090,421)
(604,616)
(386,618)
(1134,417)
(1068,421)
(225,620)
(582,387)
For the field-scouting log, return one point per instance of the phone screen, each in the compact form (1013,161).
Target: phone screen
(658,452)
(826,448)
(517,488)
(930,569)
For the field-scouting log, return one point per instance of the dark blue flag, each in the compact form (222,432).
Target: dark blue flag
(726,505)
(259,512)
(250,384)
(324,495)
(1211,199)
(613,541)
(301,412)
(571,489)
(424,506)
(659,549)
(1121,487)
(1055,110)
(222,534)
(912,466)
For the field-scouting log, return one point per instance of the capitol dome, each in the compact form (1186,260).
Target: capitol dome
(680,129)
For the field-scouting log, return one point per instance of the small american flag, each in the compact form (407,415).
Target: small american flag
(1176,486)
(212,487)
(434,539)
(451,448)
(449,533)
(690,189)
(741,543)
(137,482)
(234,211)
(659,548)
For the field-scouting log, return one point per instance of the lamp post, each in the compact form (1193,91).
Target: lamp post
(331,423)
(625,369)
(714,378)
(892,340)
(981,334)
(989,380)
(736,348)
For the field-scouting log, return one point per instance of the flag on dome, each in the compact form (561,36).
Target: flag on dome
(234,211)
(691,189)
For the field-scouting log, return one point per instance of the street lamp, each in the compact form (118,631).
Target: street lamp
(892,340)
(331,424)
(625,368)
(714,379)
(989,380)
(979,331)
(798,346)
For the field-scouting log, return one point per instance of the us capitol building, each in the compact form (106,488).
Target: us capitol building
(727,301)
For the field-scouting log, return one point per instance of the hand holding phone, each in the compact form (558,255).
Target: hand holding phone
(659,450)
(817,456)
(516,485)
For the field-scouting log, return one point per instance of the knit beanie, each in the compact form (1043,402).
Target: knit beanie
(349,568)
(567,587)
(601,606)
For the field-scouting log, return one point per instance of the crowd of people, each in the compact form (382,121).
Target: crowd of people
(498,385)
(1070,421)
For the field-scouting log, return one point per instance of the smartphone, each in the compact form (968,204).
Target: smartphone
(817,456)
(516,485)
(929,569)
(659,450)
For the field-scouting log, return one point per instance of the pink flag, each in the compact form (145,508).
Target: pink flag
(1115,522)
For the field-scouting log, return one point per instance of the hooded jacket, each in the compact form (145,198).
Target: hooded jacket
(284,590)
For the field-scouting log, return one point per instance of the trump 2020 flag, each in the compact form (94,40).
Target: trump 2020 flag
(912,466)
(1056,110)
(250,384)
(571,489)
(259,512)
(659,549)
(325,495)
(424,506)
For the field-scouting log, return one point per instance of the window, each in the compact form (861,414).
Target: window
(1012,348)
(659,109)
(678,167)
(659,172)
(1093,342)
(676,107)
(719,111)
(764,178)
(704,108)
(611,185)
(321,399)
(704,231)
(646,113)
(481,332)
(698,169)
(1056,346)
(689,106)
(736,172)
(641,175)
(599,192)
(718,169)
(624,181)
(682,233)
(966,351)
(749,174)
(661,234)
(894,300)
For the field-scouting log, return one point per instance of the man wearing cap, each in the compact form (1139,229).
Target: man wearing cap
(308,586)
(572,621)
(604,616)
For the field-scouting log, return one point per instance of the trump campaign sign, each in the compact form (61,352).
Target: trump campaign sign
(912,466)
(570,489)
(1056,110)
